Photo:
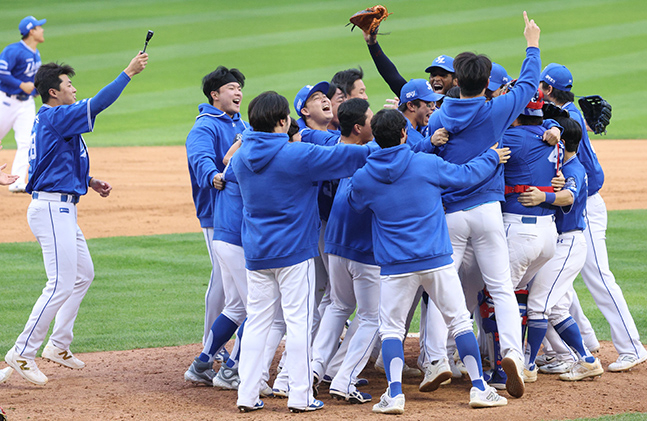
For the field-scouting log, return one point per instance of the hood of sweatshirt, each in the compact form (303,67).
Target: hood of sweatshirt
(456,114)
(387,165)
(209,110)
(259,148)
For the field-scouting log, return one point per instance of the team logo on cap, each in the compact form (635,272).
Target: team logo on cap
(440,59)
(550,79)
(429,86)
(410,94)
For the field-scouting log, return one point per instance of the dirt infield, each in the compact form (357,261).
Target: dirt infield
(152,196)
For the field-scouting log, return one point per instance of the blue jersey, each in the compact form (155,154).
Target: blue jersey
(228,211)
(414,137)
(569,218)
(348,233)
(207,143)
(18,64)
(58,157)
(586,153)
(474,126)
(403,190)
(532,162)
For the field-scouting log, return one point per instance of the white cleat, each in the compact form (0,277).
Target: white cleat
(513,367)
(436,373)
(582,370)
(626,362)
(62,357)
(26,367)
(5,373)
(486,398)
(390,405)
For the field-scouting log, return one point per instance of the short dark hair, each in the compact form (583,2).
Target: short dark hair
(561,97)
(48,77)
(453,92)
(266,110)
(572,133)
(530,120)
(345,79)
(472,72)
(403,107)
(387,126)
(221,76)
(350,113)
(294,129)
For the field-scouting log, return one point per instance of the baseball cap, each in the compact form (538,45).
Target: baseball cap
(444,62)
(557,76)
(306,92)
(29,23)
(535,106)
(498,77)
(418,89)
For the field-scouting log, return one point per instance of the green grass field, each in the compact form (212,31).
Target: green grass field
(285,44)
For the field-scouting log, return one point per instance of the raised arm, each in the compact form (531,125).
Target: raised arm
(109,94)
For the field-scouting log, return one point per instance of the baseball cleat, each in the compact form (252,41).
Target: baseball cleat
(280,393)
(556,367)
(390,405)
(457,371)
(406,370)
(327,379)
(5,373)
(26,367)
(486,398)
(544,359)
(513,368)
(62,357)
(265,390)
(221,356)
(227,378)
(626,362)
(581,370)
(317,404)
(355,397)
(258,405)
(18,188)
(360,382)
(200,373)
(530,376)
(315,384)
(436,373)
(496,378)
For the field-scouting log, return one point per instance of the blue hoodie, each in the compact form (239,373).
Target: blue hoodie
(212,135)
(277,180)
(474,126)
(569,218)
(228,211)
(403,190)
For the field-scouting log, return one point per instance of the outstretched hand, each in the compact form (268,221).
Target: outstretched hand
(531,32)
(137,64)
(6,179)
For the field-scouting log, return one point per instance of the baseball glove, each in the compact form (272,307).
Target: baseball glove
(369,19)
(597,112)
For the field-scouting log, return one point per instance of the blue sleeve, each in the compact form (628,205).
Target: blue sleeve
(201,154)
(549,123)
(469,174)
(7,62)
(355,199)
(333,162)
(506,108)
(70,120)
(318,137)
(387,69)
(109,94)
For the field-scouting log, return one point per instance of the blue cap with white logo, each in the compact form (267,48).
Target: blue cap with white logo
(29,23)
(444,62)
(498,77)
(418,89)
(557,76)
(305,93)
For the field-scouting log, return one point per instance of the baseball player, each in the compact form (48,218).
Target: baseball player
(19,62)
(556,83)
(279,235)
(473,213)
(216,128)
(411,245)
(417,102)
(552,289)
(58,176)
(350,82)
(354,277)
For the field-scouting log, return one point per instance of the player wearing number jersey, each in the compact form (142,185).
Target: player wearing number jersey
(556,83)
(19,62)
(58,176)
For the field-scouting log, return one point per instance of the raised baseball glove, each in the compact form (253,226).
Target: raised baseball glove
(369,19)
(597,112)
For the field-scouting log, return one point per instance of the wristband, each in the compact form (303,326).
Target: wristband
(550,198)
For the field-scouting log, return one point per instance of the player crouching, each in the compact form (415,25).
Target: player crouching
(411,245)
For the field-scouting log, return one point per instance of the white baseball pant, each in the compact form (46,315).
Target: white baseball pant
(214,297)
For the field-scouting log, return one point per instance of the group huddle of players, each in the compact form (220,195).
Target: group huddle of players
(473,194)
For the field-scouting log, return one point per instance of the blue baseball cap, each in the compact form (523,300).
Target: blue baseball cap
(557,76)
(29,23)
(498,77)
(444,62)
(418,89)
(306,92)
